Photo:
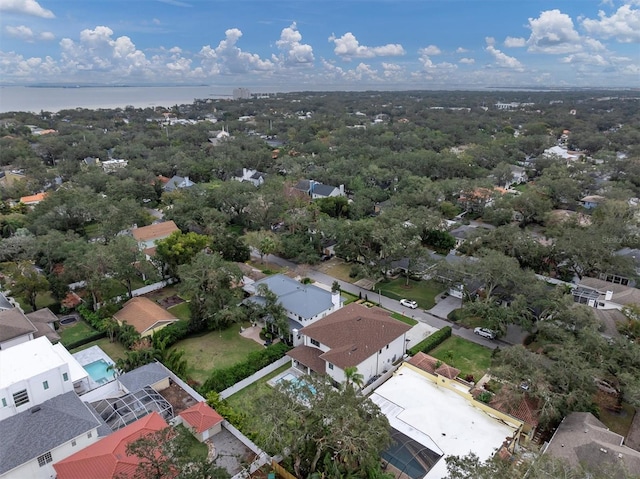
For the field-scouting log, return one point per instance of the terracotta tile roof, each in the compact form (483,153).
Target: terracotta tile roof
(155,231)
(143,314)
(33,199)
(108,458)
(354,333)
(201,417)
(433,365)
(522,407)
(308,356)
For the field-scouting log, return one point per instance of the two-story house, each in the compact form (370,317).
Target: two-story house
(304,304)
(148,236)
(354,336)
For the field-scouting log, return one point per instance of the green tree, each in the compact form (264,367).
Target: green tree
(274,312)
(167,454)
(336,432)
(26,282)
(179,248)
(353,377)
(265,242)
(208,282)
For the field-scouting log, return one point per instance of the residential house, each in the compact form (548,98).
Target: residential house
(177,182)
(592,201)
(317,190)
(563,153)
(476,200)
(219,137)
(91,161)
(8,178)
(15,328)
(148,236)
(602,294)
(202,420)
(144,315)
(463,233)
(581,439)
(33,200)
(114,164)
(433,415)
(304,304)
(255,177)
(33,372)
(41,435)
(518,176)
(354,336)
(108,457)
(5,303)
(44,320)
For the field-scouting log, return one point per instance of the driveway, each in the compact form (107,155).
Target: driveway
(418,333)
(445,306)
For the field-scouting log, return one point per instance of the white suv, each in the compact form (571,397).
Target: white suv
(485,333)
(409,303)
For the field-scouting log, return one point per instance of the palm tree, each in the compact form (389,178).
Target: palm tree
(353,377)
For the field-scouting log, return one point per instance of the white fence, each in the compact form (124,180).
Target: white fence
(239,386)
(138,292)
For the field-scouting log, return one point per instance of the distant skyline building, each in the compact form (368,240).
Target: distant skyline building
(241,93)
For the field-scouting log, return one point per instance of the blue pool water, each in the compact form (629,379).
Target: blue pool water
(296,382)
(98,371)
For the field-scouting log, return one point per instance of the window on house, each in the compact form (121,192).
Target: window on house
(4,402)
(315,343)
(73,443)
(89,434)
(330,366)
(387,346)
(45,384)
(45,459)
(65,376)
(21,397)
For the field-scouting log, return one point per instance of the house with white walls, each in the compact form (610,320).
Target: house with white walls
(354,336)
(34,372)
(304,304)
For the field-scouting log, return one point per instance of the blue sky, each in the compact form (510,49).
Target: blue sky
(322,44)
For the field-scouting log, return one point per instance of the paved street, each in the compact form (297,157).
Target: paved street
(391,304)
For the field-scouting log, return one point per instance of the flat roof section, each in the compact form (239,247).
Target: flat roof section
(439,419)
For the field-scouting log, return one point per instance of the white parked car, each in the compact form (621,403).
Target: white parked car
(409,303)
(485,333)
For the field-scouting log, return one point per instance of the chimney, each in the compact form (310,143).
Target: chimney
(341,190)
(335,299)
(608,295)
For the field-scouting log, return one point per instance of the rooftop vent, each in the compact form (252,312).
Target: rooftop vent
(35,409)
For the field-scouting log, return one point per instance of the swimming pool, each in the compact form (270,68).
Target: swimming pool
(297,382)
(98,371)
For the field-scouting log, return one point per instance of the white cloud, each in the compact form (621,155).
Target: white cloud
(514,42)
(21,32)
(47,36)
(347,46)
(25,7)
(553,32)
(431,50)
(435,70)
(490,41)
(467,61)
(176,3)
(585,58)
(461,50)
(503,60)
(227,58)
(294,53)
(623,25)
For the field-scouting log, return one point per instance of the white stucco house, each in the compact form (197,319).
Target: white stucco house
(354,336)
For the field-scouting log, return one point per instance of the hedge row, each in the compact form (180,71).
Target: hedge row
(86,340)
(92,318)
(432,341)
(171,334)
(222,379)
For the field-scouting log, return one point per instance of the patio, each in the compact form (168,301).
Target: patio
(88,356)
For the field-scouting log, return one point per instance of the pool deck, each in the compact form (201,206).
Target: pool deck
(91,355)
(291,371)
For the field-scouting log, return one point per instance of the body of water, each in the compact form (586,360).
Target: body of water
(36,99)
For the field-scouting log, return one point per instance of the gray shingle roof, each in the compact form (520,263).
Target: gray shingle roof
(4,302)
(14,323)
(28,435)
(322,190)
(146,375)
(304,300)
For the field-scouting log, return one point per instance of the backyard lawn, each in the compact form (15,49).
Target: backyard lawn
(470,358)
(114,350)
(75,332)
(180,311)
(248,394)
(424,292)
(214,350)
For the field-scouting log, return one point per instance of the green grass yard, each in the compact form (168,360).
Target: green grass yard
(75,332)
(114,350)
(470,358)
(404,319)
(424,292)
(215,350)
(180,311)
(255,390)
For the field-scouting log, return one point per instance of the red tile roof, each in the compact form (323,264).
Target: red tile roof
(155,231)
(433,366)
(201,417)
(108,458)
(33,199)
(525,408)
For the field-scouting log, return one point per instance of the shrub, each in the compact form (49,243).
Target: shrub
(91,317)
(485,397)
(171,334)
(221,379)
(86,340)
(432,341)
